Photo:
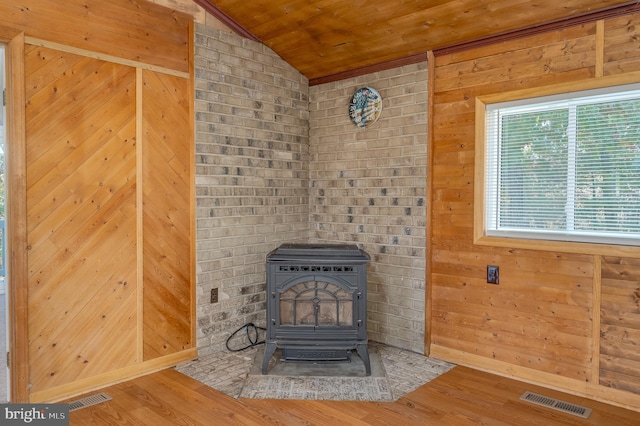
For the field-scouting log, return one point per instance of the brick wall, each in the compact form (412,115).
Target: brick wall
(252,178)
(272,166)
(368,186)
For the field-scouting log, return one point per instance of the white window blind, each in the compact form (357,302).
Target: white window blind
(565,167)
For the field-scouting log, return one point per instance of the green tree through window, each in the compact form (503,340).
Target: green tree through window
(565,168)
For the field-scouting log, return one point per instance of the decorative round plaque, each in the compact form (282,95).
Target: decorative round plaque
(365,107)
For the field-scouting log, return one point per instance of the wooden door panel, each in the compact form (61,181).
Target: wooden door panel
(167,189)
(84,128)
(81,216)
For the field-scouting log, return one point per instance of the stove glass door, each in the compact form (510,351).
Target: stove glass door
(316,304)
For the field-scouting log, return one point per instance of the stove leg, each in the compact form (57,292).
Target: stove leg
(269,349)
(363,352)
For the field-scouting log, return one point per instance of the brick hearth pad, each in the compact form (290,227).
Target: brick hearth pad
(231,373)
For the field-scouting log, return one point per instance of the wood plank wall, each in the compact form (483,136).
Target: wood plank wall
(136,30)
(562,317)
(81,216)
(620,326)
(167,182)
(108,287)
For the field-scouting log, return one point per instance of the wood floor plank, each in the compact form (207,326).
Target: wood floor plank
(169,390)
(461,396)
(306,412)
(405,413)
(472,393)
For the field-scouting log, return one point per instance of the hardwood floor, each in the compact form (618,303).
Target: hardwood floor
(460,397)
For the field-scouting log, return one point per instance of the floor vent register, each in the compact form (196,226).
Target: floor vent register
(89,401)
(556,404)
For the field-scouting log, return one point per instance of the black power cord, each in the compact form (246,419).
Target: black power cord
(253,339)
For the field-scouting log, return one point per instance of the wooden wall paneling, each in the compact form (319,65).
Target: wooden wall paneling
(73,225)
(189,7)
(140,214)
(516,44)
(622,44)
(620,324)
(80,155)
(93,126)
(528,321)
(191,100)
(543,59)
(16,175)
(431,63)
(538,322)
(597,319)
(135,30)
(9,33)
(167,224)
(599,48)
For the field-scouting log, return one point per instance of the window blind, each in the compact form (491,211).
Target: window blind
(565,167)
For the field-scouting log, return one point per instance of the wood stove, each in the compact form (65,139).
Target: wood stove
(317,303)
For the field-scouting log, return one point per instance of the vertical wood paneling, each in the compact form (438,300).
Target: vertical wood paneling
(429,194)
(167,191)
(16,175)
(80,155)
(600,48)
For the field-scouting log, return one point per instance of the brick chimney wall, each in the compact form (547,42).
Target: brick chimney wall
(252,177)
(368,186)
(277,160)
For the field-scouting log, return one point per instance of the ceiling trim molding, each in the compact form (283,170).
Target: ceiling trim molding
(380,66)
(226,19)
(612,12)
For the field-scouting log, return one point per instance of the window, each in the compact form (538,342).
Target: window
(565,167)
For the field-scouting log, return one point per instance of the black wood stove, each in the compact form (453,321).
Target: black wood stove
(317,303)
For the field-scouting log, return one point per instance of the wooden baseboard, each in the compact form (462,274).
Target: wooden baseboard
(593,391)
(79,387)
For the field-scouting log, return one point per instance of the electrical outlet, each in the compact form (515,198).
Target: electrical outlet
(493,274)
(214,295)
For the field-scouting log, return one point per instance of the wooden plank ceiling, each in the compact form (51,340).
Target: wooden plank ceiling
(323,38)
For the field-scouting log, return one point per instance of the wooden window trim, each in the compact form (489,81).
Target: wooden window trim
(479,226)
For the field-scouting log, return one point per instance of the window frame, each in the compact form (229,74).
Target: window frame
(480,236)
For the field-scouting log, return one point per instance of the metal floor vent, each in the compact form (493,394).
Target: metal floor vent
(89,401)
(556,404)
